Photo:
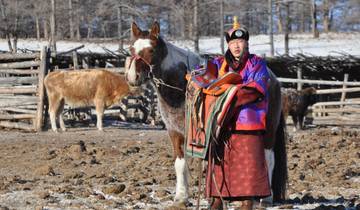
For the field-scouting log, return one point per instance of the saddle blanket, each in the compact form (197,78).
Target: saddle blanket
(208,108)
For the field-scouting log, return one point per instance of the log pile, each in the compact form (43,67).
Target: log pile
(316,67)
(312,67)
(22,90)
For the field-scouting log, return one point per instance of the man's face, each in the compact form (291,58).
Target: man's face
(237,47)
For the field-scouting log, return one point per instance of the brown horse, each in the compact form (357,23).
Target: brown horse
(166,66)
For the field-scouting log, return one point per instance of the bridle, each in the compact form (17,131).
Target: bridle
(157,81)
(135,57)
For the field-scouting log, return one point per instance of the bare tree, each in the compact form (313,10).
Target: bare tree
(53,25)
(279,17)
(222,26)
(100,18)
(314,19)
(271,33)
(287,27)
(10,19)
(326,20)
(195,29)
(71,19)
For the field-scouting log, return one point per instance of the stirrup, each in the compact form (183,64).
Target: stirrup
(197,144)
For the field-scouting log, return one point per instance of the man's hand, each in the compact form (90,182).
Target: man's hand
(247,95)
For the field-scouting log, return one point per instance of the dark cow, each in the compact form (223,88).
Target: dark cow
(295,103)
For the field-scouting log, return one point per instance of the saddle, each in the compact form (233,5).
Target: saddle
(209,104)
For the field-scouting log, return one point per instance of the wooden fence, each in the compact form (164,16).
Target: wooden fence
(22,90)
(22,93)
(345,111)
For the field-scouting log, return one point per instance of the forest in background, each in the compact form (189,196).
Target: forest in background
(179,19)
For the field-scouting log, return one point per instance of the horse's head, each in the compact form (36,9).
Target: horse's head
(139,66)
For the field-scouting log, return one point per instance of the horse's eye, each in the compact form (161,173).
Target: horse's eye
(132,50)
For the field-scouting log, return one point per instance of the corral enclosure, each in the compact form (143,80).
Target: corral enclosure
(335,78)
(23,104)
(129,165)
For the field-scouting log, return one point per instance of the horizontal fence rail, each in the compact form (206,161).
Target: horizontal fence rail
(318,82)
(17,65)
(18,56)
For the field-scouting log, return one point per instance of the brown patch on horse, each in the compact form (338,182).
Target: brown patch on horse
(177,142)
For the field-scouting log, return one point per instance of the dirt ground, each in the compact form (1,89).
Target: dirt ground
(130,166)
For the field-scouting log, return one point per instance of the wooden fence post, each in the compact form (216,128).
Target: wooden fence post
(75,60)
(41,89)
(299,76)
(343,94)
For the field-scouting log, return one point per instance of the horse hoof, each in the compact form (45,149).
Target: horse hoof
(181,200)
(178,206)
(267,201)
(263,204)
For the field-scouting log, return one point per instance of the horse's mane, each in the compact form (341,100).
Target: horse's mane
(176,53)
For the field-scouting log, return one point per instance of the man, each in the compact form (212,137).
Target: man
(237,170)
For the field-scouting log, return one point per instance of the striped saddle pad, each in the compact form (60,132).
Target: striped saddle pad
(207,111)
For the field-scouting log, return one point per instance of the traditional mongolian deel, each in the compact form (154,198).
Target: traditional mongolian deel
(238,168)
(236,161)
(255,75)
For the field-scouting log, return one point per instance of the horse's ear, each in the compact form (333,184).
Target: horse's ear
(155,29)
(135,30)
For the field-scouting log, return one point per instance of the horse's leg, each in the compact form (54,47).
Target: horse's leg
(181,170)
(270,162)
(275,155)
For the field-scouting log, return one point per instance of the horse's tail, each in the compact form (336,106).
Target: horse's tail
(280,175)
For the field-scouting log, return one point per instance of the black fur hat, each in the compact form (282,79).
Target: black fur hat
(240,33)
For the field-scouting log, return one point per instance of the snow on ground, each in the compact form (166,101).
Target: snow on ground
(334,44)
(327,44)
(32,44)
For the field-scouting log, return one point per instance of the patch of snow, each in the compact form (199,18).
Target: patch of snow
(335,44)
